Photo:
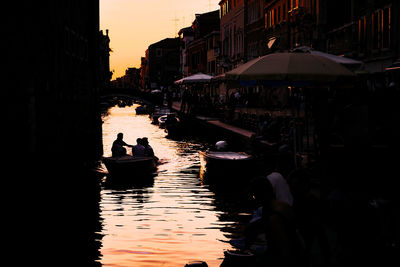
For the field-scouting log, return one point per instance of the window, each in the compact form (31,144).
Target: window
(224,8)
(279,14)
(362,24)
(381,27)
(294,4)
(284,12)
(375,27)
(386,17)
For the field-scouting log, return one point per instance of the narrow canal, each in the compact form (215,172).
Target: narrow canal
(171,219)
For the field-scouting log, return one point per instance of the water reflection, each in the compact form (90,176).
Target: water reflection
(171,218)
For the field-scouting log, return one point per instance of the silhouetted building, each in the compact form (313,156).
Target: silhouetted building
(203,25)
(163,63)
(52,127)
(144,71)
(105,74)
(233,33)
(255,32)
(54,106)
(366,30)
(213,53)
(131,80)
(186,35)
(293,23)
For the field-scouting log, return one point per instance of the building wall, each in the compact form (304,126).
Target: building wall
(368,31)
(293,23)
(56,44)
(213,52)
(163,62)
(197,50)
(232,28)
(186,35)
(255,36)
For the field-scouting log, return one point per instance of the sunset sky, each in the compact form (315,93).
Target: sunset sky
(135,24)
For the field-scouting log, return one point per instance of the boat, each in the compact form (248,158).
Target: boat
(142,110)
(225,164)
(167,119)
(158,112)
(129,166)
(174,128)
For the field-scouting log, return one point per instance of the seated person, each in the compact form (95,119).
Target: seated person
(138,150)
(148,149)
(118,149)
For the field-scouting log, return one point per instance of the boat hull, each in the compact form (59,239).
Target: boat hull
(223,166)
(128,166)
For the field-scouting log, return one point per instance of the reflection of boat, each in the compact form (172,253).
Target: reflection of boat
(128,166)
(226,164)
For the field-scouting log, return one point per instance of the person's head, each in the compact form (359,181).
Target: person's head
(145,141)
(120,136)
(261,189)
(139,141)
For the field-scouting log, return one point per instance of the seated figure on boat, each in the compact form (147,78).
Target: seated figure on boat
(148,149)
(138,150)
(149,152)
(118,149)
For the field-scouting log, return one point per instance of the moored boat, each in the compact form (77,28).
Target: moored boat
(167,119)
(158,113)
(226,164)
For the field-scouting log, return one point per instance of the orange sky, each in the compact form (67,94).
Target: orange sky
(135,24)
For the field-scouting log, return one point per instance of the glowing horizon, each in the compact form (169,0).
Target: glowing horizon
(135,24)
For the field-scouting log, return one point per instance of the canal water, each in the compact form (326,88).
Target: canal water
(172,218)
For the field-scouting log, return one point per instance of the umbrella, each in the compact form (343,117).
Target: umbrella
(345,61)
(291,68)
(196,78)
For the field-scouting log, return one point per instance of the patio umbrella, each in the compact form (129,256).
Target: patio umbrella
(291,68)
(196,78)
(345,61)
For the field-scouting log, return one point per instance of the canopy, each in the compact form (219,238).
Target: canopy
(196,78)
(291,68)
(348,62)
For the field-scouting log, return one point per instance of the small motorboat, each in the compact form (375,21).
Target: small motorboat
(225,164)
(129,166)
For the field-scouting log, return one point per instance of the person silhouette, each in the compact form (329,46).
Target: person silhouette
(118,149)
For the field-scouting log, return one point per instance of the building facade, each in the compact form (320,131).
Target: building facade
(57,45)
(163,63)
(255,34)
(233,33)
(105,74)
(366,30)
(294,23)
(205,28)
(186,35)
